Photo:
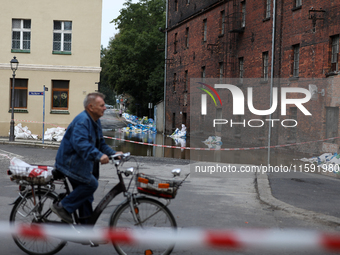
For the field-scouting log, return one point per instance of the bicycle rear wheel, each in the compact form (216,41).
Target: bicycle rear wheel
(25,212)
(151,214)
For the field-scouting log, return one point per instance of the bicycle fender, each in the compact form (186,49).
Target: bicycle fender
(16,200)
(126,201)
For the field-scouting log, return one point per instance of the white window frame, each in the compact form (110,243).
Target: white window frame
(62,32)
(21,30)
(298,3)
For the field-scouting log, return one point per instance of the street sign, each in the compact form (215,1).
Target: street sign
(36,93)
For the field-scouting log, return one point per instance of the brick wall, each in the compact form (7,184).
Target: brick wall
(293,28)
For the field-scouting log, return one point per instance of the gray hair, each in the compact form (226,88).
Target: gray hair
(91,97)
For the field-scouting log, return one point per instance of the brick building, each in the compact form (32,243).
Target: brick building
(231,41)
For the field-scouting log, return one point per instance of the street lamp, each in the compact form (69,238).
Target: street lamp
(14,67)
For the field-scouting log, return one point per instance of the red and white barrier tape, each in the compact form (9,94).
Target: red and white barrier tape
(200,149)
(5,155)
(32,121)
(220,149)
(263,239)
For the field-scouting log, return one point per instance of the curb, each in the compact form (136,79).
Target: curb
(32,143)
(265,195)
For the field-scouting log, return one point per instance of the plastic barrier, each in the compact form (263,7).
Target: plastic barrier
(263,239)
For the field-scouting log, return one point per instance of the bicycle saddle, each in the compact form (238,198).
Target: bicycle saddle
(57,175)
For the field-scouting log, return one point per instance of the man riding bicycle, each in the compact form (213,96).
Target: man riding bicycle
(81,150)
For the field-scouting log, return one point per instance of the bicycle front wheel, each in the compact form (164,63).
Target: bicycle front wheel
(150,213)
(35,209)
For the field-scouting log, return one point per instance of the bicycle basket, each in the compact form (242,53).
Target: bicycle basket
(153,186)
(33,174)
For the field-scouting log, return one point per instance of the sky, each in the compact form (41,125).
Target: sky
(111,10)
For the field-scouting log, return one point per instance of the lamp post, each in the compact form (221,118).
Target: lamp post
(14,66)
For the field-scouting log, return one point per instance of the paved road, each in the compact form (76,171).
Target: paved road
(308,191)
(201,202)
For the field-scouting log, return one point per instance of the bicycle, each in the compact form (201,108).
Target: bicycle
(137,210)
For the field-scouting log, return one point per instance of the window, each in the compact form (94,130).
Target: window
(241,64)
(222,22)
(243,13)
(21,35)
(188,1)
(187,37)
(267,15)
(186,81)
(332,120)
(60,94)
(20,93)
(185,97)
(296,56)
(204,30)
(184,118)
(174,83)
(62,37)
(265,65)
(241,68)
(221,68)
(293,116)
(335,52)
(175,44)
(298,3)
(203,73)
(176,5)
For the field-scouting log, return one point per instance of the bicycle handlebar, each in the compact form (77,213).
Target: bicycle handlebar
(122,155)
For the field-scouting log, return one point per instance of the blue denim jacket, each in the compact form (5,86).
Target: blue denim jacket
(77,152)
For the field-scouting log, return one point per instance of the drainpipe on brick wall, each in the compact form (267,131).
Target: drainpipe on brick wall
(166,55)
(272,76)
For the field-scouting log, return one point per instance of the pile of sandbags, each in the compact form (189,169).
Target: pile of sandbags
(54,134)
(327,161)
(23,132)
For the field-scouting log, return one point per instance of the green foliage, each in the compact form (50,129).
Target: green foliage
(132,63)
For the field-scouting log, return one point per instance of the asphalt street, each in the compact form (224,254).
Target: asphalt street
(309,191)
(202,202)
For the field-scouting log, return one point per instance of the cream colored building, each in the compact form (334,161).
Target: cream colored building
(57,44)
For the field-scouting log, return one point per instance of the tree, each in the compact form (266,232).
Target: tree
(132,63)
